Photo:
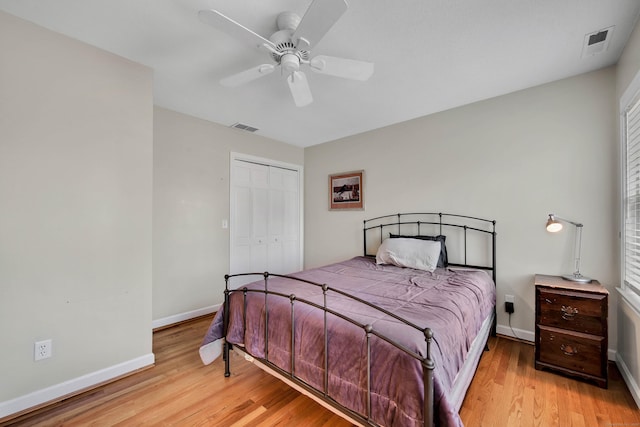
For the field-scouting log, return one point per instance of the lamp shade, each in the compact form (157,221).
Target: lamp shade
(553,225)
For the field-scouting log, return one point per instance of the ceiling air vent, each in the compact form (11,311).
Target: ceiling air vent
(243,127)
(597,42)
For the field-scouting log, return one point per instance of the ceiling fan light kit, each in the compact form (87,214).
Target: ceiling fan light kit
(289,48)
(290,62)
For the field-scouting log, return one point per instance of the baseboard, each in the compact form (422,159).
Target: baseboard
(520,334)
(72,387)
(181,317)
(633,386)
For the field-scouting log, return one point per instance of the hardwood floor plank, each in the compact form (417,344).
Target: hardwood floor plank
(180,391)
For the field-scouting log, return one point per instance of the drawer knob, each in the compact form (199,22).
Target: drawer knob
(568,312)
(569,350)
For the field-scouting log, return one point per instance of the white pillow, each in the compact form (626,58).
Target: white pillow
(412,253)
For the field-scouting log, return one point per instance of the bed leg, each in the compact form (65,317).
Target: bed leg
(225,327)
(494,326)
(225,356)
(429,394)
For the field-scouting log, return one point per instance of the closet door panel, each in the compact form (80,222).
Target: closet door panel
(265,223)
(276,226)
(242,224)
(291,222)
(260,237)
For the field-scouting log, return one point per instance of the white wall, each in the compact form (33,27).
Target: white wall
(191,199)
(629,319)
(75,213)
(629,62)
(514,158)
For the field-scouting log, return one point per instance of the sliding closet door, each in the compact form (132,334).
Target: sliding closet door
(265,218)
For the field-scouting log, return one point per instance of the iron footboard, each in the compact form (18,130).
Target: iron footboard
(368,330)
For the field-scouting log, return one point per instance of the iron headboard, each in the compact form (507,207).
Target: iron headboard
(443,224)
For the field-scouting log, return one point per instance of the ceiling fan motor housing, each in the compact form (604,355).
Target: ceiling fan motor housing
(287,21)
(285,46)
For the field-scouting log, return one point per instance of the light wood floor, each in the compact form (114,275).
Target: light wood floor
(180,391)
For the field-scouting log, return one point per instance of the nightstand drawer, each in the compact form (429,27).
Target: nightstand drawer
(580,312)
(581,353)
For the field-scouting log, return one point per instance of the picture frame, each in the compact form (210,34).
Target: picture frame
(346,191)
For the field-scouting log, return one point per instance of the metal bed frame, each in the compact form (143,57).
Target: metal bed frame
(441,221)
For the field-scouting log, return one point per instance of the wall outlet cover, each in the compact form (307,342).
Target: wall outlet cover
(42,350)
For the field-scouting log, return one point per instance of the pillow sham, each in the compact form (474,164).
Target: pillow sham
(443,261)
(412,253)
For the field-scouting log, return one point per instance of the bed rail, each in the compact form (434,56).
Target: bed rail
(368,329)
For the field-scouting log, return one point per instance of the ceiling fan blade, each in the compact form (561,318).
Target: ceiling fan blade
(247,75)
(341,67)
(299,89)
(218,20)
(317,20)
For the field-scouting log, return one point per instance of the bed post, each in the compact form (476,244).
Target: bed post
(465,244)
(292,298)
(368,329)
(266,316)
(493,251)
(494,329)
(325,288)
(427,372)
(225,326)
(364,240)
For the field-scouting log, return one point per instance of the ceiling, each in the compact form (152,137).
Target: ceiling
(429,55)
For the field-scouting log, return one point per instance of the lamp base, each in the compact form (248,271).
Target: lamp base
(577,277)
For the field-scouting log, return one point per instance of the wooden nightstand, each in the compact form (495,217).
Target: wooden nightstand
(571,328)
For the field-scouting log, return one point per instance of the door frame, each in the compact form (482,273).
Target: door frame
(267,162)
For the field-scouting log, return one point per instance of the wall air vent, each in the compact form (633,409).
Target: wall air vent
(243,127)
(596,42)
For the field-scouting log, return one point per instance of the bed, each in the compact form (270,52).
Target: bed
(376,341)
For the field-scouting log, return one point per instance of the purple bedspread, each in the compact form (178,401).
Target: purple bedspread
(452,303)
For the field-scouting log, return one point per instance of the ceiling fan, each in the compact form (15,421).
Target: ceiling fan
(290,48)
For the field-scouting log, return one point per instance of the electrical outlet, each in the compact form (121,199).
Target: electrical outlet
(508,303)
(42,350)
(508,307)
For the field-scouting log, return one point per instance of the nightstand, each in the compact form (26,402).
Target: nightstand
(571,328)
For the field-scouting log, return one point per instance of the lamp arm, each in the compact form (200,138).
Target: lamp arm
(578,248)
(577,224)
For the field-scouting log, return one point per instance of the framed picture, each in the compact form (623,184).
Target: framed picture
(346,190)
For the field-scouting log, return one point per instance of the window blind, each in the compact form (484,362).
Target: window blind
(631,256)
